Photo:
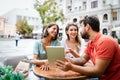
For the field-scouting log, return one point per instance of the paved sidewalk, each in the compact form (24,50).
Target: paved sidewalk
(8,48)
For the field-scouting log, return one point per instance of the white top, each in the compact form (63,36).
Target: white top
(63,43)
(17,37)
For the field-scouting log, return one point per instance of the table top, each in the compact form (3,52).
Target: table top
(55,73)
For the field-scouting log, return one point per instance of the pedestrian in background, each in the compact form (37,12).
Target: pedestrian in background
(17,37)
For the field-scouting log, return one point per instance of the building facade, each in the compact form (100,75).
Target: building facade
(12,17)
(2,26)
(108,12)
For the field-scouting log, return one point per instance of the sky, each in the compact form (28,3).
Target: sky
(7,5)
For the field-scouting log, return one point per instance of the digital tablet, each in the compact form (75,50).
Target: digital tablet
(55,53)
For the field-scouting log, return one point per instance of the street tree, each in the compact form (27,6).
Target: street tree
(23,27)
(49,11)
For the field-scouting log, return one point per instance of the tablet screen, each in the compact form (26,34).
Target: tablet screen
(55,53)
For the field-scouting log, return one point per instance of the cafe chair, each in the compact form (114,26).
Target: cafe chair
(18,65)
(13,60)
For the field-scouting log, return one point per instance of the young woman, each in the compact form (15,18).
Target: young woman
(72,44)
(49,38)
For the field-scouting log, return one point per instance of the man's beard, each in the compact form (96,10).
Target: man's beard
(84,35)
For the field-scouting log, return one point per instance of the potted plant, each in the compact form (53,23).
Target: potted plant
(7,73)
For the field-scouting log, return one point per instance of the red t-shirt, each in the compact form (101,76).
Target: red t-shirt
(105,47)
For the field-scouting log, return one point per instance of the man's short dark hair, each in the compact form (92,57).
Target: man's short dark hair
(92,21)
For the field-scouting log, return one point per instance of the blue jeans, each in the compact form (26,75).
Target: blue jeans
(16,42)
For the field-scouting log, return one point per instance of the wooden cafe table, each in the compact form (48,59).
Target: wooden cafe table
(57,74)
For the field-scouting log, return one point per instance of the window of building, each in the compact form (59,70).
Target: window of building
(84,5)
(113,34)
(33,18)
(105,31)
(25,17)
(79,8)
(114,14)
(115,2)
(6,19)
(104,2)
(75,8)
(105,18)
(29,18)
(94,4)
(71,1)
(69,8)
(36,27)
(61,0)
(75,20)
(36,19)
(18,18)
(0,24)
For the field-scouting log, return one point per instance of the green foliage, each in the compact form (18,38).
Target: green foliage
(23,27)
(49,11)
(7,73)
(119,41)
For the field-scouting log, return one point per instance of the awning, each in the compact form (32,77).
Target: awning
(116,29)
(39,31)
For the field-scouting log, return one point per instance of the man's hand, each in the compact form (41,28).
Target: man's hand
(64,64)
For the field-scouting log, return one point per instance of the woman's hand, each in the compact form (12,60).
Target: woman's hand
(73,52)
(69,50)
(45,67)
(64,64)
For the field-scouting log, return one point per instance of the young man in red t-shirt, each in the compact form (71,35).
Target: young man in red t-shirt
(102,50)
